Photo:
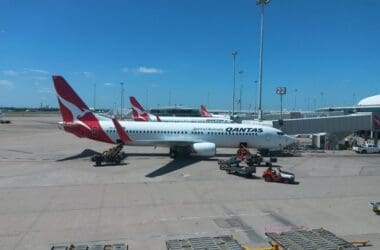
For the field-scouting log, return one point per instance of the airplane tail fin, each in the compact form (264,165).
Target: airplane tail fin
(204,112)
(77,117)
(70,104)
(139,113)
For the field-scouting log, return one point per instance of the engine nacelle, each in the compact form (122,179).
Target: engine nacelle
(204,149)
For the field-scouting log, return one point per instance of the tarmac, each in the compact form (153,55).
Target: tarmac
(50,193)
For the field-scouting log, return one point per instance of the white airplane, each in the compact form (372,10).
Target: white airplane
(139,114)
(205,113)
(200,139)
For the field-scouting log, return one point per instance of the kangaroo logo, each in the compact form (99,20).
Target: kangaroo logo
(76,112)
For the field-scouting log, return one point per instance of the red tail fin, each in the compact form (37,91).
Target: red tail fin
(138,112)
(204,112)
(71,105)
(77,118)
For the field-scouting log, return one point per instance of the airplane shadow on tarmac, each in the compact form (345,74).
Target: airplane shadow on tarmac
(172,166)
(85,153)
(89,152)
(167,155)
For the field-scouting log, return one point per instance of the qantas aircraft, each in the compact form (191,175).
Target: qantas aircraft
(139,114)
(205,113)
(199,139)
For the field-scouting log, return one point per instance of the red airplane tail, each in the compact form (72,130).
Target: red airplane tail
(77,117)
(204,112)
(70,104)
(139,113)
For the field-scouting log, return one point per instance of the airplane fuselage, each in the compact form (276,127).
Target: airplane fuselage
(169,134)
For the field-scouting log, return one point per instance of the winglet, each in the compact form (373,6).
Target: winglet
(120,131)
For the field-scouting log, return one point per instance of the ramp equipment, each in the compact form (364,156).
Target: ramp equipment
(112,156)
(234,165)
(117,246)
(226,242)
(315,239)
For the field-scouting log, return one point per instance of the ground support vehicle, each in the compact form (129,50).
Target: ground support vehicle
(243,154)
(112,156)
(275,174)
(375,207)
(235,166)
(366,148)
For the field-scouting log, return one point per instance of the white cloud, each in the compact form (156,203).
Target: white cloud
(40,77)
(88,74)
(37,71)
(45,91)
(149,70)
(143,70)
(10,72)
(6,83)
(108,84)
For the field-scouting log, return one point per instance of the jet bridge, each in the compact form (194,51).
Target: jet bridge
(331,124)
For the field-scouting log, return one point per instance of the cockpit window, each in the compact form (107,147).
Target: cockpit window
(280,133)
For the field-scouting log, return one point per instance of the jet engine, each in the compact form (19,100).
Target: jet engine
(204,149)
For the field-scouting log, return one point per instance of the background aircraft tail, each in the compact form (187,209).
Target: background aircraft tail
(204,112)
(139,113)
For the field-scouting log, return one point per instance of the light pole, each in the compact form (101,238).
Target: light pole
(240,97)
(281,91)
(255,101)
(262,3)
(241,72)
(295,99)
(121,100)
(322,99)
(234,54)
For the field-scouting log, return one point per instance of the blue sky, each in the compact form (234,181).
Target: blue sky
(325,52)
